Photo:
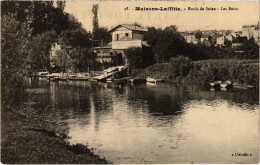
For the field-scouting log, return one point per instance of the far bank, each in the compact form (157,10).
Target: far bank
(182,70)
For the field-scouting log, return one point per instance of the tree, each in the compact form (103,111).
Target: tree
(88,60)
(134,56)
(15,34)
(250,48)
(198,35)
(61,5)
(180,66)
(102,34)
(74,42)
(40,50)
(63,60)
(95,17)
(152,35)
(47,17)
(170,44)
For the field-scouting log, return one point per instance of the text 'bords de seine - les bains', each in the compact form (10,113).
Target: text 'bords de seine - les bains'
(211,8)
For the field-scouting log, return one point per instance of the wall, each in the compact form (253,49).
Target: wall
(138,36)
(121,31)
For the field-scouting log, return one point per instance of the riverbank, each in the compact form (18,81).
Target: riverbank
(25,141)
(241,72)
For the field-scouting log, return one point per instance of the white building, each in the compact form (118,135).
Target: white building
(123,37)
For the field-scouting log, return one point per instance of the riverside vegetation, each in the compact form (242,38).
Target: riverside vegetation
(182,69)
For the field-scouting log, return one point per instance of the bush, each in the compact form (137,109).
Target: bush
(234,70)
(180,67)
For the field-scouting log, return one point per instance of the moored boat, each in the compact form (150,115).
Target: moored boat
(215,85)
(227,84)
(120,80)
(136,80)
(153,80)
(56,78)
(109,79)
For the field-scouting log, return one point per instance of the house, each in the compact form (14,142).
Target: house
(54,47)
(230,37)
(204,37)
(190,38)
(123,37)
(206,42)
(104,53)
(221,41)
(256,35)
(213,37)
(132,32)
(248,31)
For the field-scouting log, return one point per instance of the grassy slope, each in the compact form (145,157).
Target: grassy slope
(202,73)
(160,70)
(22,142)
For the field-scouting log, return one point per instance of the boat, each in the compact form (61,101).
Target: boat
(93,80)
(226,84)
(136,80)
(42,72)
(120,80)
(215,85)
(56,78)
(153,80)
(109,79)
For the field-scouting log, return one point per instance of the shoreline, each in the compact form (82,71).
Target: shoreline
(25,141)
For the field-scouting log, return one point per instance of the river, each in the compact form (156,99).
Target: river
(150,123)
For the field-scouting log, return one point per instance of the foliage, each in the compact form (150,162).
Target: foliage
(102,34)
(63,60)
(152,36)
(170,44)
(88,60)
(75,38)
(15,33)
(75,43)
(47,18)
(244,72)
(60,5)
(180,66)
(134,56)
(222,69)
(251,49)
(198,34)
(40,50)
(95,17)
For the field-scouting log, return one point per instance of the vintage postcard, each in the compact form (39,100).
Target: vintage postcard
(130,82)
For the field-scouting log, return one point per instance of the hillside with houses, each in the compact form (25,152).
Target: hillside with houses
(223,37)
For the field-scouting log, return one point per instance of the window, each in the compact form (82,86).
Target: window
(117,37)
(126,34)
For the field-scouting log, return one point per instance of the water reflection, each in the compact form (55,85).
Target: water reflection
(155,123)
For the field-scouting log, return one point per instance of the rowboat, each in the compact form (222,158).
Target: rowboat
(109,79)
(153,80)
(225,85)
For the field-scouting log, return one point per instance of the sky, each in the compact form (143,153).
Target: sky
(113,13)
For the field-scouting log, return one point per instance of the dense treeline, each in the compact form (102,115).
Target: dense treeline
(168,43)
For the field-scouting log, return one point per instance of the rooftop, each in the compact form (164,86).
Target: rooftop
(130,27)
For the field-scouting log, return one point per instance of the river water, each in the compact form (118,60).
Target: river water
(150,123)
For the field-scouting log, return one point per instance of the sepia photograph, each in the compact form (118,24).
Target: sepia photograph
(129,82)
